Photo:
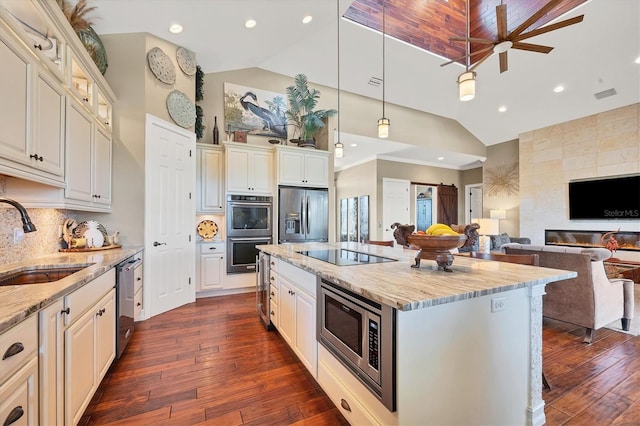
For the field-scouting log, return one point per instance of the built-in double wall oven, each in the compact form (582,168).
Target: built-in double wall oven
(249,223)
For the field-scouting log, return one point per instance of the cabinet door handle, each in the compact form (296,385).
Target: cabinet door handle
(156,244)
(36,157)
(213,248)
(101,312)
(65,311)
(344,404)
(14,349)
(139,279)
(139,304)
(14,416)
(273,293)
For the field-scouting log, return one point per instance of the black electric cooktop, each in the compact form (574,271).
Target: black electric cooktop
(344,257)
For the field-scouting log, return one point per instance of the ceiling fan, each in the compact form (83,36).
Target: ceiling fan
(513,40)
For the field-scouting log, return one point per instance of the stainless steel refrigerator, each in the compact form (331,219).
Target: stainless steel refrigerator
(303,214)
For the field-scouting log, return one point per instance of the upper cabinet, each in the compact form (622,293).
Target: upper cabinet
(31,115)
(302,167)
(210,179)
(48,74)
(249,169)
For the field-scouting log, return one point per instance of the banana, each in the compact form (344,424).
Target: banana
(431,230)
(441,232)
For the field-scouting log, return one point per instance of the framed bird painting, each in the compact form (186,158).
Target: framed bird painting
(255,111)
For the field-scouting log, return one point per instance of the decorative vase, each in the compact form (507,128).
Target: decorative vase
(216,132)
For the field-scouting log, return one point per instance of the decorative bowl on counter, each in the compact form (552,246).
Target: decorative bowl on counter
(436,248)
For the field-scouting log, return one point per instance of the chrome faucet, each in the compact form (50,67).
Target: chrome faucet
(27,225)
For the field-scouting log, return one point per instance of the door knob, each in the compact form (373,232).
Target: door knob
(156,244)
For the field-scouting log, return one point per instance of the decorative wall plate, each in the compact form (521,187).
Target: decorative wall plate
(186,60)
(207,229)
(161,66)
(181,109)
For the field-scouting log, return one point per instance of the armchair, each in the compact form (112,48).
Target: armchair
(590,300)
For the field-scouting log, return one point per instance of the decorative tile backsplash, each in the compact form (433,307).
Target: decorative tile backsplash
(34,244)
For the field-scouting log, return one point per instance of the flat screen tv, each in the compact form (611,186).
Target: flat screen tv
(607,198)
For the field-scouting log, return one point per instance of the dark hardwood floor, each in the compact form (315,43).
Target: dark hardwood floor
(213,362)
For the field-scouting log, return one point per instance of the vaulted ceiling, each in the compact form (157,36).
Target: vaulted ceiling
(590,57)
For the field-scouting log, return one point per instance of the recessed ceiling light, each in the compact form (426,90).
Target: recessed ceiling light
(638,60)
(502,108)
(353,145)
(440,158)
(558,89)
(175,28)
(307,19)
(250,23)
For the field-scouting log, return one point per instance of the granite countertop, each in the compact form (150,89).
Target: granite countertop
(398,285)
(17,302)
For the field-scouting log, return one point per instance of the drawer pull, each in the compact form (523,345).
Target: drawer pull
(14,416)
(139,304)
(213,248)
(65,311)
(14,349)
(273,293)
(344,404)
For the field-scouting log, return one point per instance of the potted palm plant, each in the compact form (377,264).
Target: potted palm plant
(301,114)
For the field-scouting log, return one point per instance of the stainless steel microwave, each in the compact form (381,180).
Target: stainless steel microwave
(360,333)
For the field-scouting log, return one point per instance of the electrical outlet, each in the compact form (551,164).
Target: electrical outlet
(18,235)
(498,304)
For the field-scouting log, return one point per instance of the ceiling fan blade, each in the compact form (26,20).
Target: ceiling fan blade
(466,56)
(503,62)
(548,28)
(532,47)
(534,18)
(473,40)
(501,19)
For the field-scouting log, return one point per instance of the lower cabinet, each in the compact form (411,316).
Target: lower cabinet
(297,313)
(19,374)
(77,346)
(210,266)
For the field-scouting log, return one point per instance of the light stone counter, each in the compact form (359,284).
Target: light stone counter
(398,285)
(20,301)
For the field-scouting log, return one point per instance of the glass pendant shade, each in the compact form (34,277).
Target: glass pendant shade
(383,127)
(467,85)
(338,149)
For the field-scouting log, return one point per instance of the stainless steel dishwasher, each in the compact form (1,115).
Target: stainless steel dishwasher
(125,290)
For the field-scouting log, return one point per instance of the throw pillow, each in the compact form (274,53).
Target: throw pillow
(498,241)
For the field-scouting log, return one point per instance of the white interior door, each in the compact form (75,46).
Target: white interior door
(169,264)
(396,201)
(473,202)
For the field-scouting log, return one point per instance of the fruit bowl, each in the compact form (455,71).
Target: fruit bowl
(436,248)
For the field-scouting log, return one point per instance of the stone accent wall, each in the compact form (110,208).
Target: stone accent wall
(605,144)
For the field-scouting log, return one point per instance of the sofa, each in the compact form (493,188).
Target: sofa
(590,300)
(497,241)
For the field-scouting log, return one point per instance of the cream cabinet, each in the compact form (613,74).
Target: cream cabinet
(210,265)
(249,169)
(46,78)
(89,158)
(19,374)
(77,346)
(297,313)
(302,167)
(31,116)
(210,179)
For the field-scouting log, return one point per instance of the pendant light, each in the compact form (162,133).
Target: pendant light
(338,147)
(467,80)
(383,123)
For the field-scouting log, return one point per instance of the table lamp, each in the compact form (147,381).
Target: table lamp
(487,227)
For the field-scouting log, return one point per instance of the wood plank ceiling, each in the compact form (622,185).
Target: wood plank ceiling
(428,24)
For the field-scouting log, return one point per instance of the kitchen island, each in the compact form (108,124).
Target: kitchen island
(468,344)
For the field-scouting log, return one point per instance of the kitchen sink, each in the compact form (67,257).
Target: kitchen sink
(40,274)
